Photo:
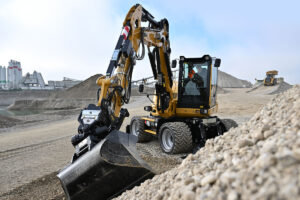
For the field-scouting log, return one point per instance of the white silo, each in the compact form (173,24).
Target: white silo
(2,75)
(19,73)
(10,77)
(14,74)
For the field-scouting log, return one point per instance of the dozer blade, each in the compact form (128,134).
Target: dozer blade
(110,168)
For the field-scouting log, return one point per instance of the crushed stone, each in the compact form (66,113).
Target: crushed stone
(242,163)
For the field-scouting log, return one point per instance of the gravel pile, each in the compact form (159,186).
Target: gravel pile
(269,90)
(257,160)
(86,89)
(282,87)
(228,81)
(8,121)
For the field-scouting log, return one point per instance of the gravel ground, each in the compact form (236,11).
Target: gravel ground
(257,160)
(41,188)
(156,159)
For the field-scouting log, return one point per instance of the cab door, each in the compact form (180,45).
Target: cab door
(194,82)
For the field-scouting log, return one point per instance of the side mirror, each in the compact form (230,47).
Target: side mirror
(174,63)
(217,62)
(148,108)
(141,88)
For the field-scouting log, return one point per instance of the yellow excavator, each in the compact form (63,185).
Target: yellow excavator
(106,162)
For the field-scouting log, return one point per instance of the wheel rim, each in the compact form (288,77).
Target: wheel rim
(167,140)
(134,129)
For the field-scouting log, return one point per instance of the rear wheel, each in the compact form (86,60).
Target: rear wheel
(137,128)
(228,124)
(175,137)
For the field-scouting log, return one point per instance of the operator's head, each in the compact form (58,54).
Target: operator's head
(199,68)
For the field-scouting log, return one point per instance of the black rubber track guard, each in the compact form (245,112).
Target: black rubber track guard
(110,168)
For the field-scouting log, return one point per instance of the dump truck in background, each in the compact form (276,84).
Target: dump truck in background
(270,78)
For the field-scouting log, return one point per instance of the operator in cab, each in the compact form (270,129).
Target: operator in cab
(197,79)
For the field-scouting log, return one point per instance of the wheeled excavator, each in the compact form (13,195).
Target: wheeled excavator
(106,162)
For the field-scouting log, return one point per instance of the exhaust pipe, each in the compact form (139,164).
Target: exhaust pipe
(105,171)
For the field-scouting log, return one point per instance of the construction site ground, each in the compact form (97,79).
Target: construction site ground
(30,156)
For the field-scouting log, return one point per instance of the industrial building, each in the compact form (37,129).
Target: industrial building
(64,84)
(14,74)
(11,78)
(33,81)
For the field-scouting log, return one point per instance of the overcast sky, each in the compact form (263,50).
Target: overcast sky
(76,38)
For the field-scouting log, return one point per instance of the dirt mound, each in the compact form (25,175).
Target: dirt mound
(282,87)
(265,90)
(257,160)
(51,104)
(78,96)
(228,81)
(84,90)
(8,121)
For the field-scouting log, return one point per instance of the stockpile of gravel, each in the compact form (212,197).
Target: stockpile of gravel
(228,81)
(257,160)
(282,87)
(78,96)
(84,90)
(269,90)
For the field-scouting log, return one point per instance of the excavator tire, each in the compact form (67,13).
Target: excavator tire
(137,127)
(175,137)
(228,123)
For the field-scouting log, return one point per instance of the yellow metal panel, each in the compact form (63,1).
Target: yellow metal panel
(148,119)
(149,131)
(189,112)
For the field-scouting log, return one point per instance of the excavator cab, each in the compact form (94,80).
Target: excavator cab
(197,84)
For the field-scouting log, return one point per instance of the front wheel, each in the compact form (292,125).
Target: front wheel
(137,128)
(175,137)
